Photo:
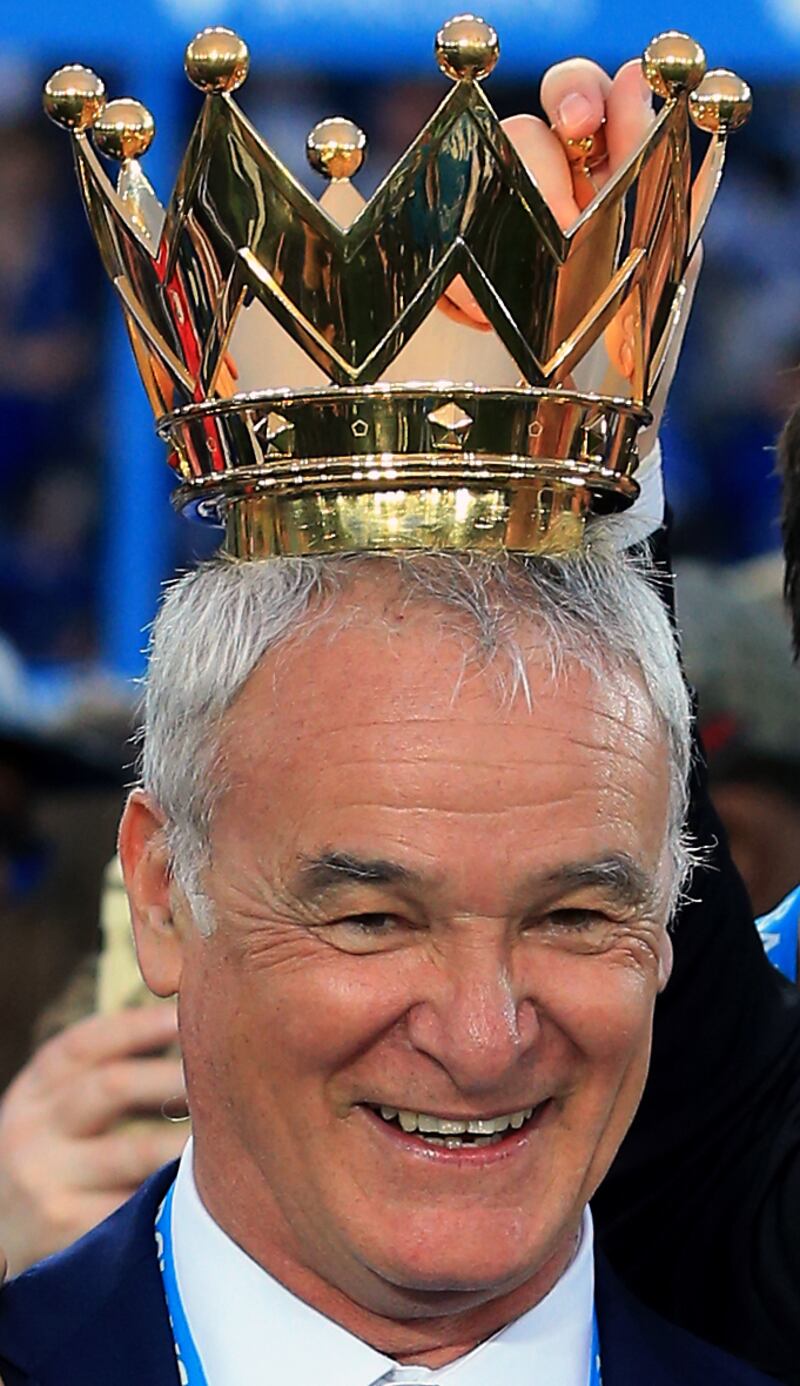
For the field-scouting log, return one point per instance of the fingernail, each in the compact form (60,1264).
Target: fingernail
(646,90)
(574,110)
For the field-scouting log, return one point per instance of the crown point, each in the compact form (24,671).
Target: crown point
(217,60)
(721,103)
(467,48)
(124,129)
(336,148)
(74,97)
(673,63)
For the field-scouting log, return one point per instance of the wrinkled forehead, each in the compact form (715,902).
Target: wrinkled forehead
(366,731)
(375,656)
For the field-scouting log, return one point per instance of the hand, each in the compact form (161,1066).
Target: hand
(81,1128)
(579,99)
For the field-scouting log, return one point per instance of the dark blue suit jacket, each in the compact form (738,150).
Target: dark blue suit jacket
(95,1315)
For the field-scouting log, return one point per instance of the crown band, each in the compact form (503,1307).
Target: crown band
(534,517)
(470,468)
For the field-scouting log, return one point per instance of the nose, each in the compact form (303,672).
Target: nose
(475,1020)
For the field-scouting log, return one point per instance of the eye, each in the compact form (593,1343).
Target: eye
(370,923)
(575,920)
(367,933)
(570,922)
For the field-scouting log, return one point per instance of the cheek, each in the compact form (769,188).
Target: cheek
(601,1006)
(280,1028)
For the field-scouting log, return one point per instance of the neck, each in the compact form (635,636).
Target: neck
(439,1341)
(415,1326)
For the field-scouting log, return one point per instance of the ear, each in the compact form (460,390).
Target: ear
(145,867)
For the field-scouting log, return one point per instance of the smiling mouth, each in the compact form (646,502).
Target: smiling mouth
(456,1133)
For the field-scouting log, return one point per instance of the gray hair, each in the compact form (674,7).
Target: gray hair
(599,609)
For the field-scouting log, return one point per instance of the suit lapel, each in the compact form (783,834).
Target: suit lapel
(628,1353)
(639,1348)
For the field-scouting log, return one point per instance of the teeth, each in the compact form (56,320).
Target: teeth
(453,1143)
(489,1128)
(440,1125)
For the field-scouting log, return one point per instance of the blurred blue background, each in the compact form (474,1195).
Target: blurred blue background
(86,531)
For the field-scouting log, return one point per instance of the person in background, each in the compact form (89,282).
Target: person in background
(60,792)
(736,647)
(74,1134)
(50,315)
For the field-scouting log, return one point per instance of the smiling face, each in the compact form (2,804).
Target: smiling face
(430,902)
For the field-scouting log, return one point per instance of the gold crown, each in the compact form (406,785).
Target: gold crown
(313,397)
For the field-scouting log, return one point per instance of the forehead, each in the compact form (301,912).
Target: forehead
(384,728)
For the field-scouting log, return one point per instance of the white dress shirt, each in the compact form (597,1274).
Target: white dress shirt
(246,1326)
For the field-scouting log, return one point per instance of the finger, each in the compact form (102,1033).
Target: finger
(619,339)
(543,155)
(629,113)
(103,1038)
(124,1158)
(77,1214)
(95,1101)
(458,303)
(573,95)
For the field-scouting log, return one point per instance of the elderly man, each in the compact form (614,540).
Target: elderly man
(408,839)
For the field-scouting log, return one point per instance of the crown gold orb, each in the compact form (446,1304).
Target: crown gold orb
(124,129)
(722,101)
(74,97)
(467,47)
(217,60)
(336,148)
(673,63)
(315,388)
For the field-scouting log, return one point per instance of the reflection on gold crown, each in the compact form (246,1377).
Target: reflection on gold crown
(313,397)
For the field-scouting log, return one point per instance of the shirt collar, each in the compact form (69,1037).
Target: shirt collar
(239,1315)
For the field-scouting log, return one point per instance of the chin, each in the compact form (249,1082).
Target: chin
(487,1263)
(452,1281)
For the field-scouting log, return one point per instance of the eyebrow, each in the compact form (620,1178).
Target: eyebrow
(622,880)
(332,869)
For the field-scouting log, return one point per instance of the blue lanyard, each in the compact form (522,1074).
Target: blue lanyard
(190,1368)
(595,1366)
